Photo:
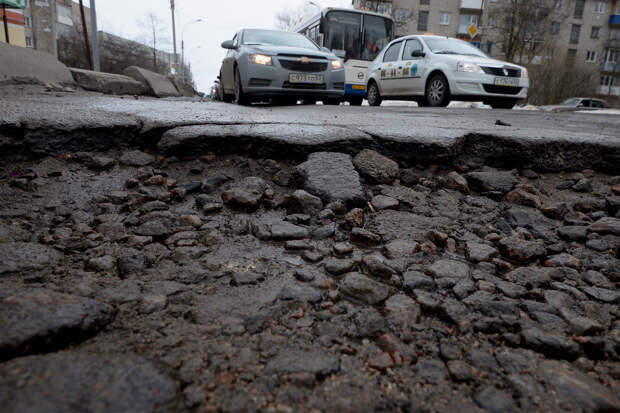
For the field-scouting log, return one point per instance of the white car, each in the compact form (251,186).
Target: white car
(432,70)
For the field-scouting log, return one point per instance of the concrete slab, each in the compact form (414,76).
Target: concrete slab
(23,65)
(109,83)
(185,89)
(155,83)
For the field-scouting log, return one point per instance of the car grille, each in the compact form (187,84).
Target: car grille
(259,82)
(502,90)
(289,85)
(339,85)
(298,66)
(499,71)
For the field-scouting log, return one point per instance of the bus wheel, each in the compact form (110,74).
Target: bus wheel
(373,96)
(356,101)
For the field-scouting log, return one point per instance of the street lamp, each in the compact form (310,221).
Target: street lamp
(183,46)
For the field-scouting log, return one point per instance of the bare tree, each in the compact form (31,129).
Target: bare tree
(155,36)
(553,81)
(288,18)
(522,29)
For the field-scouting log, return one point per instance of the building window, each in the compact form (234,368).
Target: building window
(422,21)
(28,41)
(608,80)
(614,35)
(591,56)
(425,2)
(489,48)
(25,3)
(611,56)
(444,19)
(599,7)
(571,55)
(64,14)
(579,6)
(555,27)
(492,21)
(26,21)
(596,31)
(400,15)
(574,33)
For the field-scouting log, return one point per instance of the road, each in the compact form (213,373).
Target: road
(186,256)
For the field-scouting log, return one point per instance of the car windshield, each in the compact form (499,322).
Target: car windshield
(276,38)
(572,101)
(444,45)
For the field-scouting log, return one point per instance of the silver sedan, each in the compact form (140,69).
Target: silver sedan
(279,66)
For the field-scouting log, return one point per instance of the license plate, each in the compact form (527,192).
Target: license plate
(507,81)
(305,78)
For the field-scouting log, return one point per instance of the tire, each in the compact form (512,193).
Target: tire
(356,101)
(308,101)
(240,97)
(332,101)
(437,91)
(373,95)
(503,103)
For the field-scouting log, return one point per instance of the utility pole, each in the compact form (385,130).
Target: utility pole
(6,24)
(90,57)
(95,36)
(174,39)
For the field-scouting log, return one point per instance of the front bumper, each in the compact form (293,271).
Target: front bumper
(269,81)
(481,84)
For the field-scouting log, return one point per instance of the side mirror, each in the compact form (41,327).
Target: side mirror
(418,53)
(228,44)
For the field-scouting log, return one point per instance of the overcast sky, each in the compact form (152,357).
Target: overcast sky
(221,19)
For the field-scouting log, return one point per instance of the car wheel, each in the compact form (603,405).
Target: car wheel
(438,91)
(308,101)
(240,96)
(332,101)
(373,96)
(503,103)
(356,101)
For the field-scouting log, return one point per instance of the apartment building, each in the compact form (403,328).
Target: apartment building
(579,31)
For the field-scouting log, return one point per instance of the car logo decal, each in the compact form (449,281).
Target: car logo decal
(304,60)
(505,72)
(360,75)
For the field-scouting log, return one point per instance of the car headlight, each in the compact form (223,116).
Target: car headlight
(468,67)
(261,59)
(336,64)
(524,73)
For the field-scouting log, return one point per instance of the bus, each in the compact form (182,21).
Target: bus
(356,36)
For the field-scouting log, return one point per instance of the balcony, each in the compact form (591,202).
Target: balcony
(609,90)
(614,19)
(471,4)
(610,67)
(612,43)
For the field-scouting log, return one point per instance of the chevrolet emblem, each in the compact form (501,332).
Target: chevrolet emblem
(304,60)
(505,72)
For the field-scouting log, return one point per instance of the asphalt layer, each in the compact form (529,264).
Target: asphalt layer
(53,122)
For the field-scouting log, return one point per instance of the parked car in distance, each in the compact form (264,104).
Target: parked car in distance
(433,70)
(573,104)
(280,66)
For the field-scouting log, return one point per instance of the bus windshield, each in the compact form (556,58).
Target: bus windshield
(355,35)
